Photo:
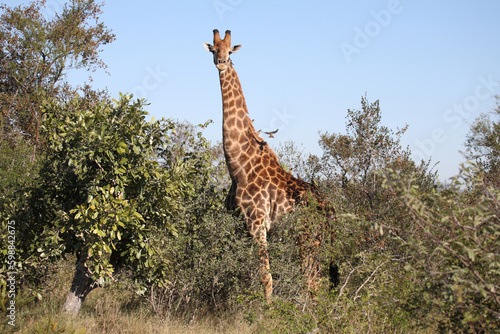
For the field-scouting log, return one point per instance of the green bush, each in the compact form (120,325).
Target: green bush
(212,256)
(455,250)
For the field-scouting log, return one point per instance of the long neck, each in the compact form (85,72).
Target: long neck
(238,134)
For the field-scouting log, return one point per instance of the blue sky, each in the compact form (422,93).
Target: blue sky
(434,65)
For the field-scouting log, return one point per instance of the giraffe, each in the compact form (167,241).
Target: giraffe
(260,188)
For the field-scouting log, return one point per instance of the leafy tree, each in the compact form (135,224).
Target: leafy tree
(482,144)
(354,163)
(367,147)
(353,172)
(437,248)
(454,252)
(36,54)
(103,195)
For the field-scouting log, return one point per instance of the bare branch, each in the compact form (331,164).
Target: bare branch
(368,279)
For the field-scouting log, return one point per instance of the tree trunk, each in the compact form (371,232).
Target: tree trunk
(80,288)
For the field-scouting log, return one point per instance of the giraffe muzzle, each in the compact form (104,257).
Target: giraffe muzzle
(221,64)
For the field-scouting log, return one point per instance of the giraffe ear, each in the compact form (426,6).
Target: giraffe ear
(236,48)
(208,47)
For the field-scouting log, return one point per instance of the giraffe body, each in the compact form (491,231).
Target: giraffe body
(260,187)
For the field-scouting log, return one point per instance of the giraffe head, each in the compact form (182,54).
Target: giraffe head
(222,49)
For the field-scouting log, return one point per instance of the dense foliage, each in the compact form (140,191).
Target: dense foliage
(455,250)
(139,204)
(482,144)
(101,193)
(35,56)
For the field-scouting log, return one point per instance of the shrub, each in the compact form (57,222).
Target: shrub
(454,251)
(101,193)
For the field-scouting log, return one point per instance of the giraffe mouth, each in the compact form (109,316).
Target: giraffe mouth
(221,66)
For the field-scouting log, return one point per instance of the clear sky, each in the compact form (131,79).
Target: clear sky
(434,65)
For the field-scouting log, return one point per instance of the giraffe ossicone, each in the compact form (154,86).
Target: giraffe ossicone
(260,187)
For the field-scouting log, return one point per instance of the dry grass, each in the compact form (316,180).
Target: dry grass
(112,323)
(117,310)
(112,310)
(104,313)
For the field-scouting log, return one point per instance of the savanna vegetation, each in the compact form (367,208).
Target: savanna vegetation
(112,222)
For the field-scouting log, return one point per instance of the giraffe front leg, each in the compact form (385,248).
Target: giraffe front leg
(260,237)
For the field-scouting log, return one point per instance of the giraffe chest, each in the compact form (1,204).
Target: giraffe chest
(262,196)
